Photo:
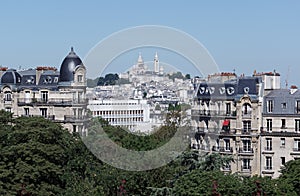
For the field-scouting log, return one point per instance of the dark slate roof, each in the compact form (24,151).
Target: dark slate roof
(229,90)
(10,76)
(248,86)
(68,66)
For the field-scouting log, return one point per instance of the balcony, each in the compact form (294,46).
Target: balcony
(46,102)
(72,118)
(268,170)
(226,150)
(7,102)
(246,151)
(296,151)
(213,113)
(207,130)
(48,117)
(246,169)
(268,150)
(247,115)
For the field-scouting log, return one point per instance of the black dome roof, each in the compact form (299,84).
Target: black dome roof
(10,76)
(68,66)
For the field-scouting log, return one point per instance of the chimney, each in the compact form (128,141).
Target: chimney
(293,89)
(2,69)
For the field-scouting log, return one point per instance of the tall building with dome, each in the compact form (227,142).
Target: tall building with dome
(59,96)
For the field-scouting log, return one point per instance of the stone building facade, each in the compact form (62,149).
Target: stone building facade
(56,95)
(250,118)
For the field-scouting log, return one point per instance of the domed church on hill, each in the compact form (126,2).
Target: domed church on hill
(44,91)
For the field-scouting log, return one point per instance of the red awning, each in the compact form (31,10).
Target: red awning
(226,122)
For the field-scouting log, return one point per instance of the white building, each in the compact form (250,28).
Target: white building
(132,114)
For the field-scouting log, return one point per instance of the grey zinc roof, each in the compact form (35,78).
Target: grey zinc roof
(279,97)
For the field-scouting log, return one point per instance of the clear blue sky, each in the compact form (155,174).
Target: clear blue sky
(241,35)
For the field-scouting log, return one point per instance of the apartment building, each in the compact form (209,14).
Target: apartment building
(280,133)
(56,95)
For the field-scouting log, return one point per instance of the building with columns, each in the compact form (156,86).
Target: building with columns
(56,95)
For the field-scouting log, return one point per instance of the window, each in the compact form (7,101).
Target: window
(298,107)
(282,142)
(27,97)
(8,109)
(55,79)
(283,123)
(268,163)
(270,106)
(246,126)
(26,111)
(297,145)
(269,143)
(283,105)
(44,96)
(80,78)
(246,164)
(228,108)
(269,124)
(43,112)
(246,109)
(297,125)
(227,144)
(246,145)
(282,160)
(7,96)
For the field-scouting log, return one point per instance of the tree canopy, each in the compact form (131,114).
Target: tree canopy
(41,158)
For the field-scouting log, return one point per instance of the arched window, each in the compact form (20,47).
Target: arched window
(247,109)
(7,96)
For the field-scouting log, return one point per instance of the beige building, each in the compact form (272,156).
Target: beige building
(280,137)
(227,119)
(56,95)
(249,118)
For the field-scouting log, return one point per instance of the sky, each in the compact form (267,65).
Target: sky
(240,35)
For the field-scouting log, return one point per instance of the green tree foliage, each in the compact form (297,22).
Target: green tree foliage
(48,160)
(109,79)
(187,76)
(177,75)
(289,181)
(45,158)
(91,83)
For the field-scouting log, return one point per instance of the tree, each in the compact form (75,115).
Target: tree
(289,180)
(91,83)
(188,76)
(32,153)
(45,158)
(109,79)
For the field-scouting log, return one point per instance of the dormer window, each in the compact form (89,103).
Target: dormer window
(80,78)
(55,79)
(270,106)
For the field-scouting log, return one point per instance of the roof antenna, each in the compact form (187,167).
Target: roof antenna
(287,77)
